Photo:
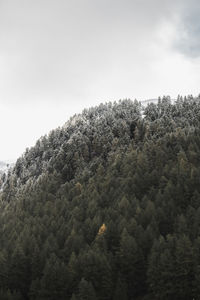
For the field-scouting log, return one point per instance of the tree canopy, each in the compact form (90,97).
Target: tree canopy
(106,207)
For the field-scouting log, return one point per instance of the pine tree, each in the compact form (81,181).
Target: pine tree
(184,256)
(86,290)
(131,263)
(73,297)
(54,281)
(120,289)
(19,276)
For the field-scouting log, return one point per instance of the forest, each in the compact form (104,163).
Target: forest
(106,207)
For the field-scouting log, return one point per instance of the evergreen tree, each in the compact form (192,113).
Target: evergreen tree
(86,290)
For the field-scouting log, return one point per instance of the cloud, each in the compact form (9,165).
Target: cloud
(187,40)
(54,49)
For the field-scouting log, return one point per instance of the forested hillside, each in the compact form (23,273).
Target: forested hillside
(106,207)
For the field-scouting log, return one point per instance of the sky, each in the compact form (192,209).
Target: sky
(58,57)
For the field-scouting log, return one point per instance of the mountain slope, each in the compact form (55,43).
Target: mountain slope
(106,207)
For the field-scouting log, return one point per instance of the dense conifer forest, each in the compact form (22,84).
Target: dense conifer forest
(106,207)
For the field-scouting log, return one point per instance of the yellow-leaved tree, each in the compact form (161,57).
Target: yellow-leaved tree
(102,229)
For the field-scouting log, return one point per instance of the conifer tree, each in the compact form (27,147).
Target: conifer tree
(86,290)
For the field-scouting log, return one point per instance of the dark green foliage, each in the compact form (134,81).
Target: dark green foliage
(86,290)
(54,282)
(7,295)
(120,289)
(106,207)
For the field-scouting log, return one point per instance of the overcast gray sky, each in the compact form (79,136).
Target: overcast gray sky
(60,56)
